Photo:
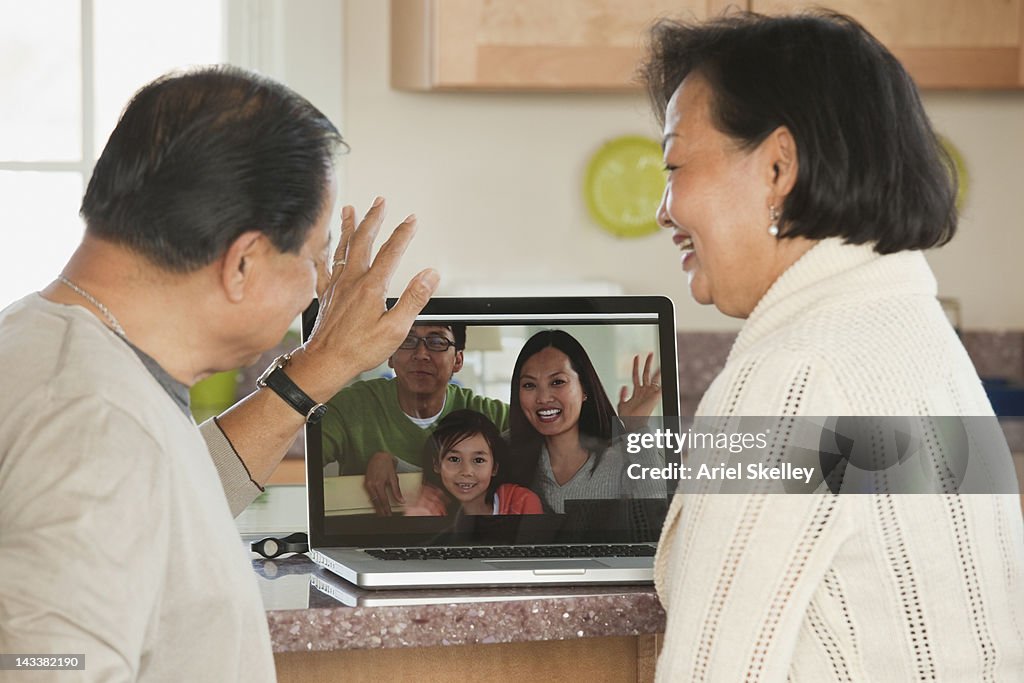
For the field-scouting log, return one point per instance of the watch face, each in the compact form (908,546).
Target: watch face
(261,381)
(279,362)
(317,413)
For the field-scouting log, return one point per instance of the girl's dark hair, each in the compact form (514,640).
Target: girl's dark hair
(452,430)
(202,156)
(597,417)
(871,169)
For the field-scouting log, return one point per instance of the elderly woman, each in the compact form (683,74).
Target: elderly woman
(804,181)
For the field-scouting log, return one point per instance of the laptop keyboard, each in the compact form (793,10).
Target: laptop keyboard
(512,552)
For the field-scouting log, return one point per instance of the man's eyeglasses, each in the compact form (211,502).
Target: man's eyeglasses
(433,342)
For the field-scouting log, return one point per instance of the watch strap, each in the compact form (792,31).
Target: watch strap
(281,384)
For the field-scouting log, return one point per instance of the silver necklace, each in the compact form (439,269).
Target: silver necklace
(116,326)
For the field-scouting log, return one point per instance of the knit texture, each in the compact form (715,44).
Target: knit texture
(853,587)
(603,476)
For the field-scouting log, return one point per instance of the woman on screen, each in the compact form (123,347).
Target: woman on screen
(563,427)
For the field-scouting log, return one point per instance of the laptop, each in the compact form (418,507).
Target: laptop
(601,534)
(324,589)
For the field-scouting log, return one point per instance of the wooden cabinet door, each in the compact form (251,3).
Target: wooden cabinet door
(942,43)
(526,44)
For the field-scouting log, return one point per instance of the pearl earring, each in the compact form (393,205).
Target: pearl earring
(773,229)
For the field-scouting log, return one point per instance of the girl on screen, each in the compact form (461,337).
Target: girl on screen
(565,435)
(463,459)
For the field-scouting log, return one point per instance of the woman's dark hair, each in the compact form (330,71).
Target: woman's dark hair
(597,417)
(870,166)
(200,157)
(452,430)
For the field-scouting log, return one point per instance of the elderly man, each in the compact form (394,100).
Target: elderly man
(207,232)
(378,427)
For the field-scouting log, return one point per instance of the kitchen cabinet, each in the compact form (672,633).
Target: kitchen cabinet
(596,45)
(592,45)
(942,43)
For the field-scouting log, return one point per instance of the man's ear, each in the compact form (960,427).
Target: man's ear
(237,264)
(458,362)
(391,362)
(782,161)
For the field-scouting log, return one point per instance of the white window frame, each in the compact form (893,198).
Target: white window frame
(279,38)
(87,151)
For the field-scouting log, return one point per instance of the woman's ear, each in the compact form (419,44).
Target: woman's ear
(780,146)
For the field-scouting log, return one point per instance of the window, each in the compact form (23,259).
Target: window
(69,67)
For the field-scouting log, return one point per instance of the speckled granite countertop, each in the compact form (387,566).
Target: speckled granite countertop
(304,618)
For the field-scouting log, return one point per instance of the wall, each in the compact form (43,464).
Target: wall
(495,181)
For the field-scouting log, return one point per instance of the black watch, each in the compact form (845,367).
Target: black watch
(276,379)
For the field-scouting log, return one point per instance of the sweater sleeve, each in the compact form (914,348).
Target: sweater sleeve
(744,570)
(238,485)
(737,572)
(334,433)
(520,501)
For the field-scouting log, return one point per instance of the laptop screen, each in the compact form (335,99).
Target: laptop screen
(498,422)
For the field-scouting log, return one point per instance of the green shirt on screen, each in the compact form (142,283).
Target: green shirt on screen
(365,418)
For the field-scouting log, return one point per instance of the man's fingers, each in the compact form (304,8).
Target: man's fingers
(636,371)
(364,236)
(391,252)
(623,394)
(383,503)
(336,266)
(647,367)
(376,491)
(348,228)
(657,377)
(379,499)
(323,280)
(416,295)
(395,488)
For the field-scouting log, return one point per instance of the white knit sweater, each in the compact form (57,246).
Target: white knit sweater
(852,587)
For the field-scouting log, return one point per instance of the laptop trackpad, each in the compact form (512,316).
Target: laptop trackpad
(548,566)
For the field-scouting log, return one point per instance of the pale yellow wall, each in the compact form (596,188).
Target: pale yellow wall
(495,180)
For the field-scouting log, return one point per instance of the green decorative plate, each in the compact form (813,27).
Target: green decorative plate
(623,185)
